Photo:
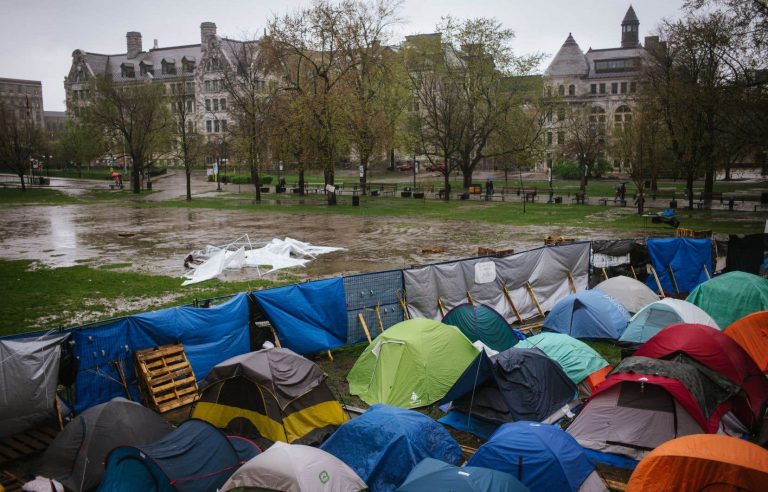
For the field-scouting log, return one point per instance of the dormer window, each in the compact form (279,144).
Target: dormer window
(147,68)
(188,64)
(169,66)
(80,76)
(127,71)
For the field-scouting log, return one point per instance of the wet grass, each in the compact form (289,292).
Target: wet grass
(38,298)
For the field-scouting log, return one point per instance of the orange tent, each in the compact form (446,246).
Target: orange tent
(711,462)
(751,332)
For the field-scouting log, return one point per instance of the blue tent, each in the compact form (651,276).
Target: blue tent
(433,474)
(685,257)
(195,457)
(481,322)
(589,314)
(384,444)
(543,457)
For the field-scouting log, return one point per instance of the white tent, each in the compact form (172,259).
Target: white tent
(632,294)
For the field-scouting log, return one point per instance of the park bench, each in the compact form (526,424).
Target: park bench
(615,201)
(383,189)
(580,198)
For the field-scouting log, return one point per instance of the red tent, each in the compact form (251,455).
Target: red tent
(717,351)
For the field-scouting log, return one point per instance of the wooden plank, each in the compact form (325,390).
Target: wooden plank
(365,326)
(529,287)
(9,453)
(508,297)
(615,485)
(571,282)
(658,282)
(173,384)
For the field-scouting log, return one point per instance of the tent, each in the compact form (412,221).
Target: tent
(523,384)
(295,468)
(588,314)
(541,456)
(731,296)
(578,360)
(433,474)
(194,457)
(411,364)
(630,293)
(751,333)
(76,457)
(688,260)
(645,402)
(702,462)
(481,322)
(653,317)
(715,350)
(384,444)
(273,393)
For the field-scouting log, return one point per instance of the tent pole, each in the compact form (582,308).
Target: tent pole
(365,326)
(571,282)
(403,307)
(441,307)
(378,316)
(274,334)
(633,271)
(706,270)
(674,280)
(330,356)
(57,407)
(469,298)
(512,304)
(658,282)
(533,295)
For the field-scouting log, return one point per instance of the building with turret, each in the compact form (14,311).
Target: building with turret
(605,80)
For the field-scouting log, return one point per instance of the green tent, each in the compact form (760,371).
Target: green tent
(411,364)
(481,322)
(731,296)
(577,359)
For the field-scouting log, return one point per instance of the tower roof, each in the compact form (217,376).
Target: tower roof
(569,60)
(630,16)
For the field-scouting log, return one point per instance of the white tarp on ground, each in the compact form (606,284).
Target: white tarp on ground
(546,269)
(29,373)
(276,254)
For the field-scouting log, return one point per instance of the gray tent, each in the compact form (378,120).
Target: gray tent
(295,468)
(632,294)
(76,457)
(30,371)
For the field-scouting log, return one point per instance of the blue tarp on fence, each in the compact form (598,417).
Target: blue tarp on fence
(209,336)
(685,257)
(309,317)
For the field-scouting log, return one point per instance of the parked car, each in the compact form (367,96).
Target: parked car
(435,167)
(405,166)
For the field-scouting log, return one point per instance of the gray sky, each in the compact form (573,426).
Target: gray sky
(38,36)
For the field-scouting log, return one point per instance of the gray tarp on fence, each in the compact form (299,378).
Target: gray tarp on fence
(484,278)
(29,372)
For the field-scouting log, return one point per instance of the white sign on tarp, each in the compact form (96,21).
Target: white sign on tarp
(485,272)
(330,188)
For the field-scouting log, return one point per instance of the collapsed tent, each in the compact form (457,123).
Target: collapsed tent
(588,314)
(751,333)
(517,384)
(385,443)
(481,322)
(541,456)
(645,402)
(412,364)
(581,363)
(194,457)
(295,468)
(652,318)
(717,351)
(30,369)
(630,293)
(731,296)
(702,462)
(76,457)
(433,474)
(273,393)
(680,263)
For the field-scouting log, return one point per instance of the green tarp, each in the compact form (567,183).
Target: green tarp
(577,359)
(411,364)
(731,296)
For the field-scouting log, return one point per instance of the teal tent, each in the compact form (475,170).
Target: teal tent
(658,315)
(731,296)
(577,359)
(480,322)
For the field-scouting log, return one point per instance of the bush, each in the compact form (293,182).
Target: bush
(600,169)
(567,170)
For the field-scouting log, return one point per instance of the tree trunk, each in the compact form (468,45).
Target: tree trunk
(727,171)
(640,200)
(467,177)
(256,180)
(329,177)
(364,178)
(189,184)
(447,183)
(709,180)
(23,186)
(301,182)
(136,175)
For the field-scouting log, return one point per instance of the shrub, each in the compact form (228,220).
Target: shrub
(567,170)
(600,168)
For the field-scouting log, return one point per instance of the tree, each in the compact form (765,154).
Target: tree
(80,144)
(135,115)
(584,130)
(20,140)
(187,145)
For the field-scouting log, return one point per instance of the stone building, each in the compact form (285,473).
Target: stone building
(54,124)
(25,96)
(604,80)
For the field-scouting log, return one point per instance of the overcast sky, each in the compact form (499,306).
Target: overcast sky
(38,36)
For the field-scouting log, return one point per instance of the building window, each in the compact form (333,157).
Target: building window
(146,69)
(223,104)
(169,68)
(190,126)
(189,105)
(622,115)
(207,104)
(593,88)
(560,138)
(549,138)
(215,104)
(571,90)
(561,90)
(614,87)
(623,87)
(207,86)
(224,125)
(633,87)
(216,126)
(208,126)
(602,88)
(126,70)
(560,114)
(190,87)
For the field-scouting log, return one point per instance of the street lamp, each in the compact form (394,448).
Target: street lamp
(218,175)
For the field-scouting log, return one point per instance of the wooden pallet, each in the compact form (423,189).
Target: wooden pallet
(29,442)
(166,380)
(9,482)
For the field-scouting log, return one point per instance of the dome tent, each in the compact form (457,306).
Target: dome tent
(411,364)
(541,456)
(577,359)
(630,293)
(751,333)
(432,474)
(481,322)
(660,314)
(74,457)
(385,443)
(272,393)
(731,296)
(588,314)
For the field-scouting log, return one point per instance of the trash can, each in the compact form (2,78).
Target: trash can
(558,199)
(355,201)
(673,204)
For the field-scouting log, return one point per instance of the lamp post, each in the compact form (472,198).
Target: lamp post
(551,191)
(218,175)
